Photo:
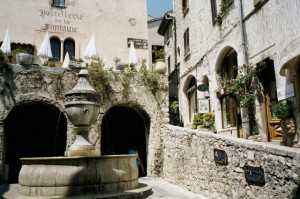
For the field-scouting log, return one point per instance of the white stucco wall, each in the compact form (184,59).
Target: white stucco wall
(272,31)
(112,22)
(154,39)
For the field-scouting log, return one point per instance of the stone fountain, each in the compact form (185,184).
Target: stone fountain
(83,171)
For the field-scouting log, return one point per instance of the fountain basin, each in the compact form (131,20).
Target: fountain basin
(71,176)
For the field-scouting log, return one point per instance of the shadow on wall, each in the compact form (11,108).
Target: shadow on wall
(296,192)
(33,130)
(122,128)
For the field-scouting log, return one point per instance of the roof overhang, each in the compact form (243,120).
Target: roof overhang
(165,23)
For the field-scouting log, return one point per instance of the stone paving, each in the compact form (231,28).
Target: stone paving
(164,190)
(161,190)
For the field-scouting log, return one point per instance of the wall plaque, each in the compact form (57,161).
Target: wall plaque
(138,43)
(220,156)
(254,174)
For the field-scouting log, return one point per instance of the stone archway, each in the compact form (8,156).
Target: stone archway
(122,128)
(33,130)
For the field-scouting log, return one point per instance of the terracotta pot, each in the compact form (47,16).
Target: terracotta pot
(160,66)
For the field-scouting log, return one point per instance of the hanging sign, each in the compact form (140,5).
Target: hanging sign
(202,87)
(285,92)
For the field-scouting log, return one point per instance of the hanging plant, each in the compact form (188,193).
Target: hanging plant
(245,88)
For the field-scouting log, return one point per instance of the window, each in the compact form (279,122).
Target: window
(69,46)
(214,11)
(229,104)
(186,39)
(192,98)
(168,34)
(219,6)
(169,65)
(185,6)
(59,3)
(55,48)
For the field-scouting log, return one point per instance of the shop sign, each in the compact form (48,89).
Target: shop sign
(138,43)
(286,92)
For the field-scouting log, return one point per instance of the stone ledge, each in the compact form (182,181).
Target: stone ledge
(143,191)
(250,144)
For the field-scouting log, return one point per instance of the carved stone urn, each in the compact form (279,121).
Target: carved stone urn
(82,107)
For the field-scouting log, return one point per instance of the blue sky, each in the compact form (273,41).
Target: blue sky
(157,8)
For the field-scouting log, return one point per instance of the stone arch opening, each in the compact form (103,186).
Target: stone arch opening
(190,89)
(123,127)
(33,130)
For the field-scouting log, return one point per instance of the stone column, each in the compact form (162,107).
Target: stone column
(62,50)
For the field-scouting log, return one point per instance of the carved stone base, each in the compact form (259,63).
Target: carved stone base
(81,147)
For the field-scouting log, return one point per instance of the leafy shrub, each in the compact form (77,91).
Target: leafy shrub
(283,110)
(197,121)
(206,120)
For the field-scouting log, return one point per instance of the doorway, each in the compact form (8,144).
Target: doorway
(267,78)
(33,130)
(122,128)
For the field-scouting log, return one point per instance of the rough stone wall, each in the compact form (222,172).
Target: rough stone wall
(267,34)
(188,160)
(20,85)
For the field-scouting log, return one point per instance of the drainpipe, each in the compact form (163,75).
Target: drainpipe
(243,44)
(173,18)
(243,60)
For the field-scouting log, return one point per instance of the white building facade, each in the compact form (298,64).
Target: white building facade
(71,24)
(214,37)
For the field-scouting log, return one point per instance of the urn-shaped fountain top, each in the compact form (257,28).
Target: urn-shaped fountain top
(82,102)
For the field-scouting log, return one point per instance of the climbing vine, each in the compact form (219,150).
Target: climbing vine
(245,88)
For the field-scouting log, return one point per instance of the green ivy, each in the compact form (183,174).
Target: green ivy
(283,110)
(245,87)
(98,75)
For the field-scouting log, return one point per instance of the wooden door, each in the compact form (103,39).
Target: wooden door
(267,78)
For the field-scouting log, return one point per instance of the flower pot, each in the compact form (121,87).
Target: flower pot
(24,59)
(120,66)
(160,66)
(288,131)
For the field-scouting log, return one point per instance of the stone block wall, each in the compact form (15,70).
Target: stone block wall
(188,160)
(20,85)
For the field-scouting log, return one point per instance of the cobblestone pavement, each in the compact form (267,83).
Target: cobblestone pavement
(164,190)
(161,190)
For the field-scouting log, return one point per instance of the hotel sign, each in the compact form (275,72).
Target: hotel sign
(62,20)
(138,43)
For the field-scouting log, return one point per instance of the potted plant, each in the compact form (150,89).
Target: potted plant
(159,56)
(118,64)
(22,57)
(284,112)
